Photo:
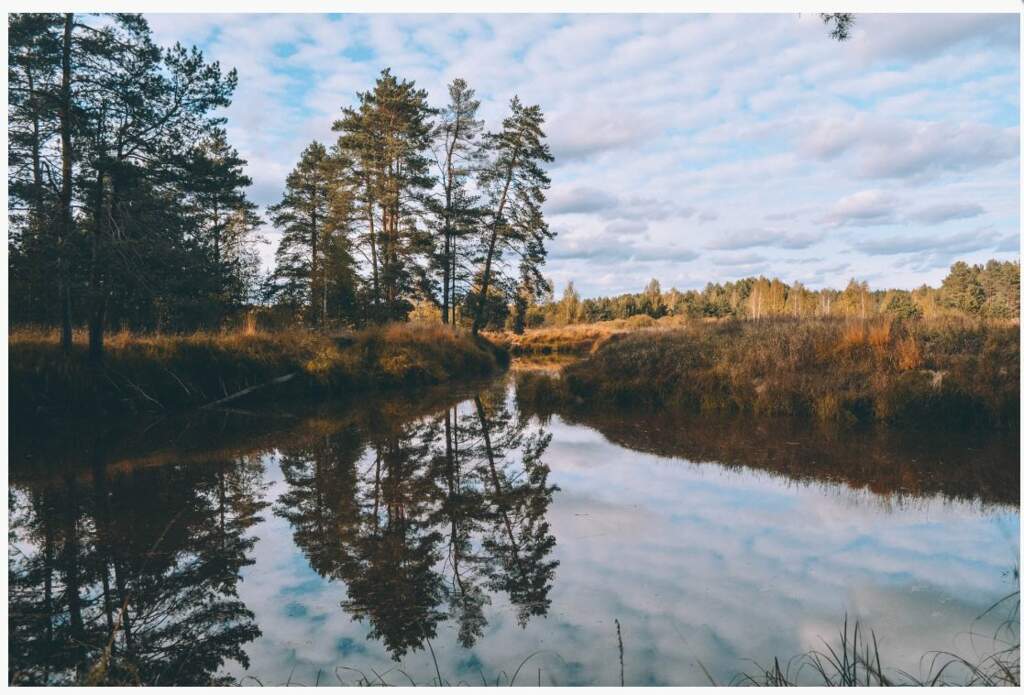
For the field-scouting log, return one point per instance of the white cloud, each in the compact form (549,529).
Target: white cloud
(564,201)
(944,212)
(764,237)
(863,208)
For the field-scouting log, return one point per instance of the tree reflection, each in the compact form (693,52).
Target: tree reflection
(427,519)
(895,464)
(131,578)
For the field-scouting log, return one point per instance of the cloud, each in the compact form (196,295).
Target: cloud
(625,250)
(864,208)
(588,200)
(876,37)
(787,215)
(884,149)
(944,212)
(626,227)
(961,242)
(739,259)
(929,148)
(581,199)
(583,134)
(1009,243)
(764,237)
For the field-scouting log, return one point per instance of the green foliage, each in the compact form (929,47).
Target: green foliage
(314,273)
(992,290)
(900,305)
(382,154)
(513,183)
(122,179)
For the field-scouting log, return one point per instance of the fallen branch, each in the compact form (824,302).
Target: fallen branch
(251,389)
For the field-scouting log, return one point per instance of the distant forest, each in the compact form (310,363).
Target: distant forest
(989,291)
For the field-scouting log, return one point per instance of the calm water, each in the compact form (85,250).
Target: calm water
(355,541)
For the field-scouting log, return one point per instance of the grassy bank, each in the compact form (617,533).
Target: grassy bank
(912,373)
(174,372)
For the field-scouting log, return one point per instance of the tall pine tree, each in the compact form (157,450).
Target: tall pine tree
(301,216)
(513,182)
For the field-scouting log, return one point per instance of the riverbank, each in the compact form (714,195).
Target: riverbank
(915,373)
(159,373)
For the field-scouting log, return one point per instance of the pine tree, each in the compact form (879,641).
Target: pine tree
(224,220)
(962,290)
(301,216)
(33,89)
(136,108)
(513,182)
(456,154)
(385,141)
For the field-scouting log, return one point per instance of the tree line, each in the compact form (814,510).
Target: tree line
(128,205)
(989,291)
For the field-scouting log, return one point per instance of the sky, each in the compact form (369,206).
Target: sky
(689,148)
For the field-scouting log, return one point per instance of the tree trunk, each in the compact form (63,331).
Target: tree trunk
(374,261)
(481,304)
(446,278)
(449,184)
(98,300)
(66,226)
(314,284)
(489,451)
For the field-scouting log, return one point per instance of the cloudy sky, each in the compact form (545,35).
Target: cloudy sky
(690,148)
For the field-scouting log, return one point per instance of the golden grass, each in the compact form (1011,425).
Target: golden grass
(576,339)
(878,370)
(166,372)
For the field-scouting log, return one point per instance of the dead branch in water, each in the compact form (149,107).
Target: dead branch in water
(251,389)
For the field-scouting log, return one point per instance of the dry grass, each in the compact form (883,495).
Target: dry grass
(576,339)
(949,371)
(169,372)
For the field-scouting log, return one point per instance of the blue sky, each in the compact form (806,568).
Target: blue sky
(690,148)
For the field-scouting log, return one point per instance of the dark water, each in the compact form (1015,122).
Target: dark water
(476,528)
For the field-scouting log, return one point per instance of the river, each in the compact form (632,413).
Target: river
(474,535)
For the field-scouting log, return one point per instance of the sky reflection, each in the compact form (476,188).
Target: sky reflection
(696,561)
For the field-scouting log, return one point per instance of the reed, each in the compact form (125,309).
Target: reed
(855,660)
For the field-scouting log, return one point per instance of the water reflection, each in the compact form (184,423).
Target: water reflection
(894,464)
(132,578)
(404,529)
(416,516)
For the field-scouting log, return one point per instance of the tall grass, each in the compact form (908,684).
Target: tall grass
(856,660)
(949,371)
(169,372)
